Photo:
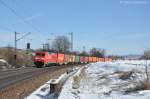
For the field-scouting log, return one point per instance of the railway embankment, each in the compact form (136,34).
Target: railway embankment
(25,87)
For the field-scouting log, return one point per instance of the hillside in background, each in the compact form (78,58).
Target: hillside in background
(24,58)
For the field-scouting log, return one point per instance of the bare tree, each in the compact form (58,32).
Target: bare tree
(97,52)
(61,44)
(146,57)
(116,57)
(84,53)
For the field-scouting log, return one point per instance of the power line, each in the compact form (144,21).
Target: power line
(7,29)
(20,17)
(23,36)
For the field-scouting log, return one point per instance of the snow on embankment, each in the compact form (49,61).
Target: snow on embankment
(4,64)
(44,92)
(111,80)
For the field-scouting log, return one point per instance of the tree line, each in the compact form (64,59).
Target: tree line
(63,45)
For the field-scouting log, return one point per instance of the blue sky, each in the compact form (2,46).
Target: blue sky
(119,26)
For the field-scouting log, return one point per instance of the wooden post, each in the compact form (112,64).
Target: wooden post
(55,87)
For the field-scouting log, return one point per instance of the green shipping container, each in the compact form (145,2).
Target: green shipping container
(77,59)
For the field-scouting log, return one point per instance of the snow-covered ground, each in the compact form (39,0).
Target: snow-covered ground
(102,81)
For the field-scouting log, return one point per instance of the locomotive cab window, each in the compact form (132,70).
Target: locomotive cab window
(40,54)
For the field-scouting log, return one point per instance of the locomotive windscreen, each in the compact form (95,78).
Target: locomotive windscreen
(40,54)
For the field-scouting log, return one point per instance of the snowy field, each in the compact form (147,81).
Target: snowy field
(109,80)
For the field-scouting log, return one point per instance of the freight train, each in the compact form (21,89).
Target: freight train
(45,58)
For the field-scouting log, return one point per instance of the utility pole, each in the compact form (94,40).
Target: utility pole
(84,49)
(49,40)
(16,40)
(15,56)
(44,46)
(71,34)
(49,44)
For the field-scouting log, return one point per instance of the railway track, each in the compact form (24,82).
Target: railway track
(10,77)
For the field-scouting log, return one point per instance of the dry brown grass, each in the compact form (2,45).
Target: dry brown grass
(24,88)
(146,85)
(77,78)
(125,75)
(76,82)
(23,59)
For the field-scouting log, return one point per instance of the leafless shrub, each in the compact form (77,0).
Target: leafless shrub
(125,75)
(136,88)
(144,85)
(76,82)
(77,78)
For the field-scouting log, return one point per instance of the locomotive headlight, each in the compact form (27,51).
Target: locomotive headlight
(39,59)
